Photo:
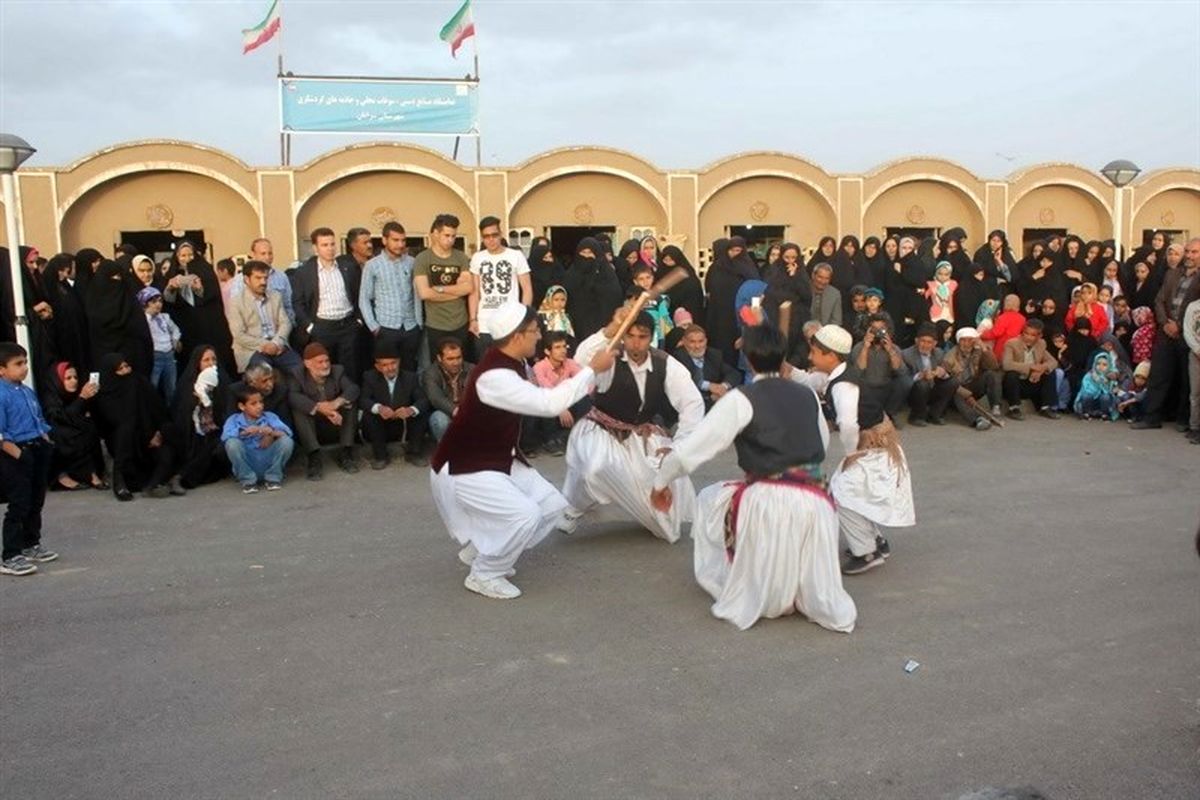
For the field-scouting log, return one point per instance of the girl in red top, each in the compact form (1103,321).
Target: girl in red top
(1088,306)
(1008,324)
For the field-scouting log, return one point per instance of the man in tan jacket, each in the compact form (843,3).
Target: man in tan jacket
(259,324)
(1029,372)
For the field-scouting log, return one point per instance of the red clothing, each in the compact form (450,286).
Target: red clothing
(1098,318)
(545,376)
(1142,343)
(1006,325)
(481,437)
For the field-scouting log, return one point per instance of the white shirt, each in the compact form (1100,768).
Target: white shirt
(333,302)
(728,417)
(508,391)
(845,402)
(680,389)
(497,275)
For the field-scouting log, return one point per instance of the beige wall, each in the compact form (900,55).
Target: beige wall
(195,202)
(88,202)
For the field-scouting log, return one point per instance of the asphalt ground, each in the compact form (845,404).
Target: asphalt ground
(317,642)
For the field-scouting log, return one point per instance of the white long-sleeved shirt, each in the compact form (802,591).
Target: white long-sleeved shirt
(845,402)
(678,385)
(728,417)
(508,391)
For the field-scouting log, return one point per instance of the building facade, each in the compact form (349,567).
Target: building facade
(155,193)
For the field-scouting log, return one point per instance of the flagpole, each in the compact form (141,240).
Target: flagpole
(478,85)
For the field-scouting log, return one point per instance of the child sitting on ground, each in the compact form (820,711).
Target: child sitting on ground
(1131,396)
(1097,398)
(873,301)
(257,442)
(552,370)
(167,342)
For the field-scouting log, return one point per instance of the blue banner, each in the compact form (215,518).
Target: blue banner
(323,105)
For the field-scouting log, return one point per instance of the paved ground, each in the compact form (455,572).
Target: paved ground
(318,643)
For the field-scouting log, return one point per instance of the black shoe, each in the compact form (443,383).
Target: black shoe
(1182,427)
(316,467)
(1194,437)
(937,420)
(1014,412)
(1048,412)
(883,547)
(416,459)
(379,463)
(1143,425)
(346,461)
(859,564)
(917,422)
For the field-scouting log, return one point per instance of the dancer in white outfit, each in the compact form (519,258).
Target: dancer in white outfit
(489,497)
(614,452)
(766,545)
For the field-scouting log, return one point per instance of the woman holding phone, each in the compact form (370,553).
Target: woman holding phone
(67,405)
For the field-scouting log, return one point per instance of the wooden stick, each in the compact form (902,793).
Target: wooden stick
(664,284)
(785,318)
(979,409)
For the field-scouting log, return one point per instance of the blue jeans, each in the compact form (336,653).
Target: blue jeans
(1064,390)
(252,463)
(162,376)
(439,421)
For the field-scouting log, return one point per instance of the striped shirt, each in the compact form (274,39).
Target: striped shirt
(332,303)
(386,297)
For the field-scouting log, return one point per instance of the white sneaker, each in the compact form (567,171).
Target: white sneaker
(495,588)
(467,554)
(568,521)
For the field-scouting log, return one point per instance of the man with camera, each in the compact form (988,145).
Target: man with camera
(879,367)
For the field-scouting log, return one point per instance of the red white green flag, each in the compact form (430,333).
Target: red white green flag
(264,31)
(460,27)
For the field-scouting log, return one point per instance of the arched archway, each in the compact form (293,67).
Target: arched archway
(768,199)
(1173,209)
(1057,206)
(368,199)
(160,200)
(923,203)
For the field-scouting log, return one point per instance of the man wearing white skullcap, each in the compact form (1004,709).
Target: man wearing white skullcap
(488,496)
(872,486)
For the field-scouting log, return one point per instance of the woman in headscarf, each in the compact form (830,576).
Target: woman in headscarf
(1026,267)
(1044,281)
(904,295)
(137,429)
(116,323)
(648,253)
(1118,357)
(849,269)
(824,254)
(1051,315)
(625,261)
(771,258)
(544,269)
(202,403)
(688,293)
(593,291)
(978,286)
(1070,260)
(788,281)
(194,296)
(70,321)
(1080,346)
(1141,288)
(996,254)
(1092,267)
(87,261)
(877,262)
(142,268)
(731,267)
(950,248)
(67,406)
(1153,252)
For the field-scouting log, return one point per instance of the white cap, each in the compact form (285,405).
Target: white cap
(836,338)
(965,332)
(505,319)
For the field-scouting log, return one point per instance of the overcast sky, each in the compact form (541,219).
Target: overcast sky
(994,86)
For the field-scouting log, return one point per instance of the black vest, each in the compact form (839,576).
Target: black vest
(870,403)
(783,433)
(622,401)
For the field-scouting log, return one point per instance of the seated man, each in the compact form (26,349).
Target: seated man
(879,368)
(271,384)
(323,409)
(932,387)
(712,376)
(257,442)
(766,545)
(976,373)
(394,407)
(444,382)
(258,322)
(1028,372)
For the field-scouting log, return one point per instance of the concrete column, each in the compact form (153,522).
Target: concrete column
(849,209)
(277,199)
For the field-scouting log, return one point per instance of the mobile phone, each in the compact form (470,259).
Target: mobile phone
(94,377)
(756,302)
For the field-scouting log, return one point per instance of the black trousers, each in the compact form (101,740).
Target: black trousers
(407,342)
(379,431)
(24,481)
(313,430)
(435,336)
(931,397)
(138,466)
(341,339)
(1044,392)
(1167,393)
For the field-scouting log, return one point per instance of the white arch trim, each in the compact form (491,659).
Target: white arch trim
(359,169)
(769,173)
(573,170)
(923,176)
(1191,187)
(157,166)
(1012,201)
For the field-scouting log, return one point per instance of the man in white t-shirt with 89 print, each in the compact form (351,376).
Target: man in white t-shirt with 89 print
(500,275)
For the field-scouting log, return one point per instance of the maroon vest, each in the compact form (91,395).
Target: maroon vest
(481,437)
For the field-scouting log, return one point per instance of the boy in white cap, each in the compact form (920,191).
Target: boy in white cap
(488,496)
(872,486)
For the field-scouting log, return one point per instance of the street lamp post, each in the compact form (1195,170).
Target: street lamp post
(14,151)
(1119,173)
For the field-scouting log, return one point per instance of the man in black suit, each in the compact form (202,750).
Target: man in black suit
(712,376)
(394,407)
(325,299)
(323,403)
(933,387)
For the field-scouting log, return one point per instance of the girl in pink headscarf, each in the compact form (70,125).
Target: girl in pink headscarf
(1142,342)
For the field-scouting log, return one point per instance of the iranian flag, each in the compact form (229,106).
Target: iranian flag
(459,28)
(264,31)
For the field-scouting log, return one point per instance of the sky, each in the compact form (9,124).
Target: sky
(849,86)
